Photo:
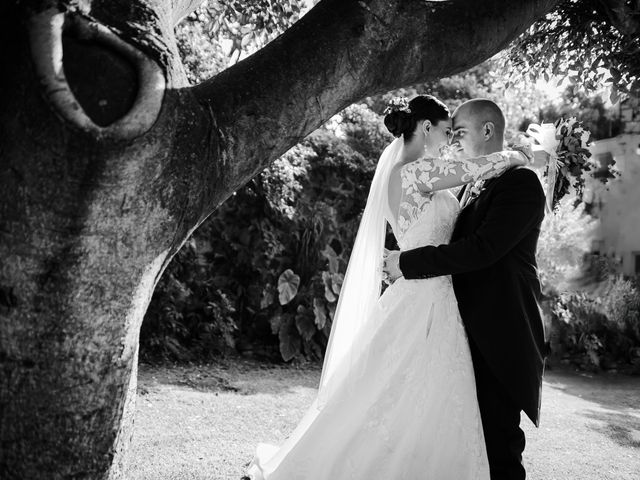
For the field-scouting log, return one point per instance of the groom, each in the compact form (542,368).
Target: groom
(491,259)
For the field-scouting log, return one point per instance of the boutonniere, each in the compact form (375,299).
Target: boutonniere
(475,191)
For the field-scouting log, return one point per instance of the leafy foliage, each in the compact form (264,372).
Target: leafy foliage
(600,329)
(250,25)
(589,41)
(592,313)
(521,102)
(218,34)
(564,240)
(597,117)
(189,316)
(288,284)
(275,253)
(263,274)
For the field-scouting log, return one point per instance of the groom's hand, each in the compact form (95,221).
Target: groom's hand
(391,266)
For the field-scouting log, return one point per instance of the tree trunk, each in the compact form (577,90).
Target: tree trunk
(87,223)
(109,160)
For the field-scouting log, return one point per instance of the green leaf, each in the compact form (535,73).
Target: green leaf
(246,39)
(319,312)
(267,297)
(336,282)
(613,96)
(290,342)
(328,290)
(330,254)
(305,325)
(276,323)
(288,284)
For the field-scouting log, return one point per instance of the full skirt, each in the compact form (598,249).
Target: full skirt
(406,408)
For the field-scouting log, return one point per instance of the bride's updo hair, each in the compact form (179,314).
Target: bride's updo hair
(402,117)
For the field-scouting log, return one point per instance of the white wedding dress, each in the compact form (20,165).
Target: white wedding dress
(407,407)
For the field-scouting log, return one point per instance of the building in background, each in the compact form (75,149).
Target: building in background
(617,203)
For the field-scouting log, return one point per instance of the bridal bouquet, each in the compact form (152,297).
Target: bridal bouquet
(566,142)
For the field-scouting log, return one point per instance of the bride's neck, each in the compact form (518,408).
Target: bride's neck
(411,154)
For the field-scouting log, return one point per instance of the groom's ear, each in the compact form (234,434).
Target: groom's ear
(488,130)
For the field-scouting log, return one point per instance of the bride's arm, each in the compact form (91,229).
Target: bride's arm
(431,174)
(517,209)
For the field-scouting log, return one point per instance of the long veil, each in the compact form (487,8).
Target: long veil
(362,282)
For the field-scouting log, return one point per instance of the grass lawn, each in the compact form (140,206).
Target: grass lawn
(202,422)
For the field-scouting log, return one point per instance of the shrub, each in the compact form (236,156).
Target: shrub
(565,239)
(263,273)
(601,328)
(189,318)
(592,314)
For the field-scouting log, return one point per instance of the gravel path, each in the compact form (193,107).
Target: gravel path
(203,422)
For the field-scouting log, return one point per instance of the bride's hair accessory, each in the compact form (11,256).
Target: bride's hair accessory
(397,104)
(401,115)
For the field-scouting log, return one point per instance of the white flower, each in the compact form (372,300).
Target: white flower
(475,189)
(584,137)
(397,104)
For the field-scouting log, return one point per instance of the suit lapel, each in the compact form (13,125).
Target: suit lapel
(461,192)
(463,196)
(470,200)
(483,192)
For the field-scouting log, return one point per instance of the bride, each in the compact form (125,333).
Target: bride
(397,397)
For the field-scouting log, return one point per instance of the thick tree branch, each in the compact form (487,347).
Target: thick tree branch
(341,51)
(182,8)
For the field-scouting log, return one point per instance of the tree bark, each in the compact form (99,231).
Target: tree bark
(109,160)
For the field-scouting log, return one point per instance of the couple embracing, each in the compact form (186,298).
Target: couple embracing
(427,381)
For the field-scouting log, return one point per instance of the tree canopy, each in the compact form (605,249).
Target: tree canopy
(589,41)
(217,34)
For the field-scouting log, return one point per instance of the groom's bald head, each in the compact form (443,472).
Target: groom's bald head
(482,110)
(479,126)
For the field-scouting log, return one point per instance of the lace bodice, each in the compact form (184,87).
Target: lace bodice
(427,210)
(423,218)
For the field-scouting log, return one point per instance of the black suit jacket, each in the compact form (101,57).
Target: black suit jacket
(491,258)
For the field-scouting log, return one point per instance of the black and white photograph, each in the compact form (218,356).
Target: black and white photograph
(320,240)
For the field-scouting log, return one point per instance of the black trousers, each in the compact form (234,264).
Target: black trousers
(500,422)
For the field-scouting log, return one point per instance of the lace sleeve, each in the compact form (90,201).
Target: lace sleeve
(431,174)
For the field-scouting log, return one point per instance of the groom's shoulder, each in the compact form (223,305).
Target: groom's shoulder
(522,178)
(520,174)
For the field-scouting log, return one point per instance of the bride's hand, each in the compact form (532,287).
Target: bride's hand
(454,152)
(540,156)
(523,154)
